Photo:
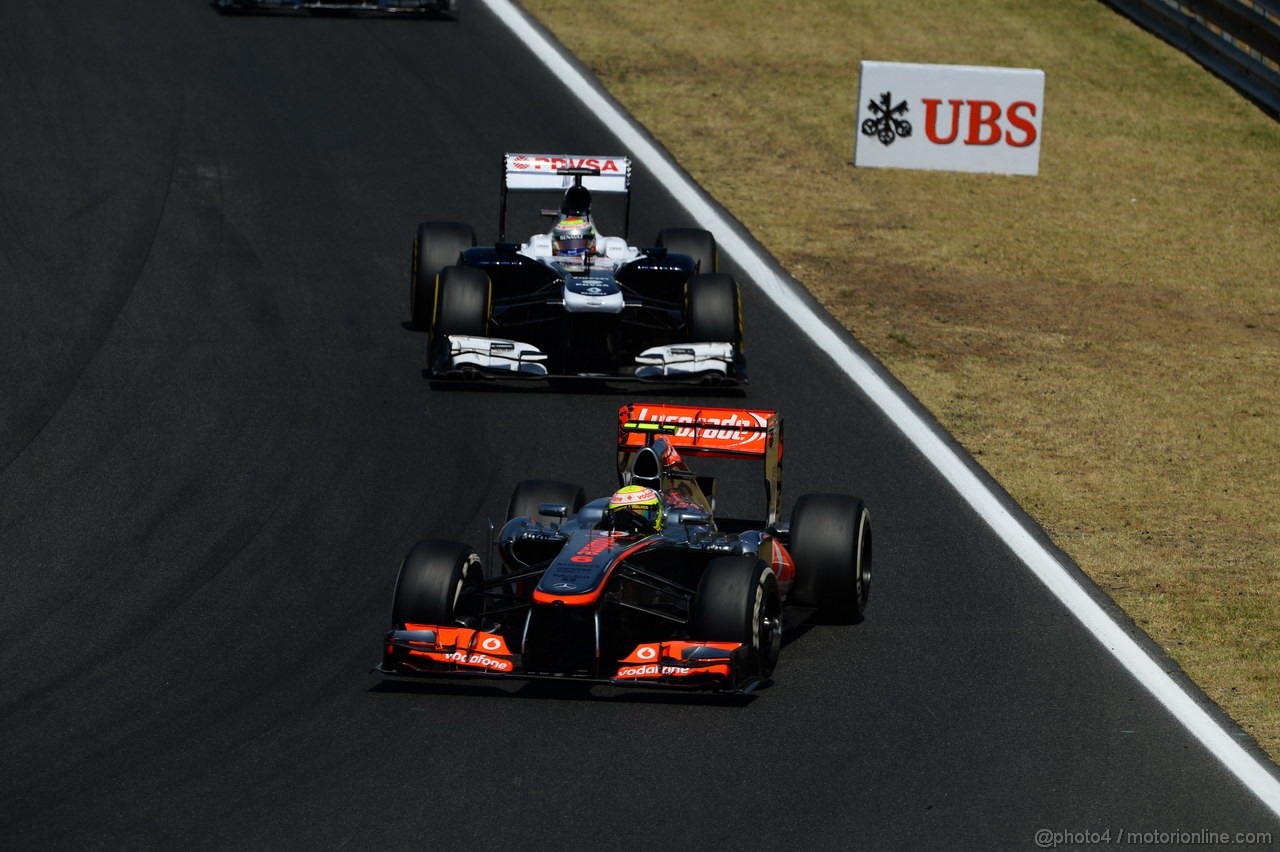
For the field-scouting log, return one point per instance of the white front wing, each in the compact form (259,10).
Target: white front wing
(499,356)
(679,359)
(495,354)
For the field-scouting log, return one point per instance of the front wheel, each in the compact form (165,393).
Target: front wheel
(462,305)
(831,545)
(713,309)
(438,584)
(738,601)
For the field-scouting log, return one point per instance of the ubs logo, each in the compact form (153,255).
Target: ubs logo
(886,126)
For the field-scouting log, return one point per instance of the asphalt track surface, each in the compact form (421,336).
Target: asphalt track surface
(216,444)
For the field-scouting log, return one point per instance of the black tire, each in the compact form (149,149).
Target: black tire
(738,602)
(432,581)
(524,502)
(694,242)
(713,309)
(435,246)
(831,545)
(462,304)
(527,496)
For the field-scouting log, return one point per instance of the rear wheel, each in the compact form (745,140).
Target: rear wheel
(531,493)
(462,304)
(435,246)
(525,500)
(694,242)
(437,584)
(831,545)
(738,602)
(713,309)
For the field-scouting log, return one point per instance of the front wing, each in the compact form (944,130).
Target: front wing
(426,650)
(470,357)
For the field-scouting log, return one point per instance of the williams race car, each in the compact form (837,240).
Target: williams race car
(571,301)
(644,588)
(447,8)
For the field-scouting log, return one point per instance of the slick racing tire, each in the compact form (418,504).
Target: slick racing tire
(531,493)
(462,304)
(738,601)
(694,242)
(831,546)
(713,309)
(435,246)
(438,583)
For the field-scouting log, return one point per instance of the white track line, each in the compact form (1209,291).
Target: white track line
(784,292)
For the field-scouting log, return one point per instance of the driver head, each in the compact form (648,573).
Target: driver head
(639,500)
(573,236)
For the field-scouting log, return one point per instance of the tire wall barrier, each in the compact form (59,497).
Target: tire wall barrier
(1239,40)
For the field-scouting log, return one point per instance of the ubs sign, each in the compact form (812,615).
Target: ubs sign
(956,118)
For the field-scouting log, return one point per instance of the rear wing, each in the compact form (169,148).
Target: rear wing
(726,433)
(557,172)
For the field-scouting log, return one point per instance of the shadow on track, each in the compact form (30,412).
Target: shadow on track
(567,691)
(584,387)
(228,8)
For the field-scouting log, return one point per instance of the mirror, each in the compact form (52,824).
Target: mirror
(555,510)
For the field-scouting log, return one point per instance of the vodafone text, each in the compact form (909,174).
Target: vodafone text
(479,660)
(654,670)
(592,549)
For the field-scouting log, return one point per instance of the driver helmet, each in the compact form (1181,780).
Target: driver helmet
(573,236)
(639,499)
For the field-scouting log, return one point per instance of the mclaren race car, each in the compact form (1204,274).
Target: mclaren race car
(448,8)
(644,588)
(571,301)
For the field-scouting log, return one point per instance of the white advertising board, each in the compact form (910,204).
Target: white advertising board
(958,118)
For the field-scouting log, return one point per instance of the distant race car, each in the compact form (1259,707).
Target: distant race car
(400,7)
(571,301)
(644,588)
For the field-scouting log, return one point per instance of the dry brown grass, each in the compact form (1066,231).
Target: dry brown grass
(1105,338)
